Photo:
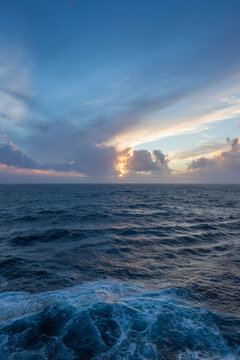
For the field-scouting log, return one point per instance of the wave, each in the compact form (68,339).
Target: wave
(108,320)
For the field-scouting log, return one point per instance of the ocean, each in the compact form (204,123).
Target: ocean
(120,272)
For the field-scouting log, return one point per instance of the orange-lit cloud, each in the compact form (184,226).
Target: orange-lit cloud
(5,169)
(141,162)
(121,162)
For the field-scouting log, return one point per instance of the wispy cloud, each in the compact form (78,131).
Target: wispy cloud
(173,122)
(205,149)
(15,90)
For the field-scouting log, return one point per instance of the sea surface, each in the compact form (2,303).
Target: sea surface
(120,272)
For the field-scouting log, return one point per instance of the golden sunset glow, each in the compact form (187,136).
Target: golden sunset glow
(121,164)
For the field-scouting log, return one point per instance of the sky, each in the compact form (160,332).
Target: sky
(119,91)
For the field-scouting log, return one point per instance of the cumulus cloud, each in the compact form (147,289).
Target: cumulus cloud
(229,159)
(201,162)
(146,161)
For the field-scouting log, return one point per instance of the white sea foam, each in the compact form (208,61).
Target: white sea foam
(111,320)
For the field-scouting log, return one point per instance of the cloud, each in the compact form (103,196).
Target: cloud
(11,170)
(89,160)
(99,162)
(162,102)
(202,162)
(75,147)
(203,149)
(147,113)
(146,161)
(10,155)
(14,160)
(15,92)
(229,159)
(3,136)
(133,166)
(176,121)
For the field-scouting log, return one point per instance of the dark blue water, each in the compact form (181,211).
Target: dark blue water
(120,272)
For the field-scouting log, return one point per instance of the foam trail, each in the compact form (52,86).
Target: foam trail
(111,320)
